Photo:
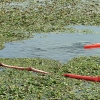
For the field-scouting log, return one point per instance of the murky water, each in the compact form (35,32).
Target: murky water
(62,47)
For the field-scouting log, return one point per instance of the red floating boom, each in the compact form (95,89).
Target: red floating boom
(88,78)
(91,46)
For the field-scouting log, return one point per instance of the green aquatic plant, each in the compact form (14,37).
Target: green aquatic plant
(17,84)
(20,23)
(44,17)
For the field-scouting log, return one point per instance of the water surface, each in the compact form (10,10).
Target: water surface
(62,47)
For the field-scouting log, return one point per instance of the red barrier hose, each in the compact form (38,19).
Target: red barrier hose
(91,46)
(88,78)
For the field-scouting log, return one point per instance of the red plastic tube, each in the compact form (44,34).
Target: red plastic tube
(88,78)
(91,46)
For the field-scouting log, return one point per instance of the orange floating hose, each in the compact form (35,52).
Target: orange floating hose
(88,78)
(91,46)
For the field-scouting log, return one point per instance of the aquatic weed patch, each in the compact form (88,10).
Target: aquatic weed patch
(16,84)
(84,66)
(51,16)
(46,16)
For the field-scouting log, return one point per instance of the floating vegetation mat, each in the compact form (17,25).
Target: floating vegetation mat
(20,22)
(22,18)
(22,85)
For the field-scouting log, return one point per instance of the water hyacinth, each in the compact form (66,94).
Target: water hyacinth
(45,16)
(18,84)
(21,22)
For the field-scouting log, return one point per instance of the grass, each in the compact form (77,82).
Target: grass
(23,85)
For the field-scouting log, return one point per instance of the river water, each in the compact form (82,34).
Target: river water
(62,47)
